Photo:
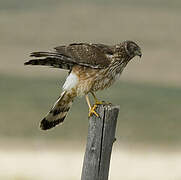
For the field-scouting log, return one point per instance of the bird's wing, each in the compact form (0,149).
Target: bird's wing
(65,57)
(93,55)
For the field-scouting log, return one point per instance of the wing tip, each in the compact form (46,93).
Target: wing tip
(31,62)
(27,63)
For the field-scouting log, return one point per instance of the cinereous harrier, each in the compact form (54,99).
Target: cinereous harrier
(91,67)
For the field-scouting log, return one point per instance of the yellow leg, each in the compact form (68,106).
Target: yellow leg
(91,109)
(96,100)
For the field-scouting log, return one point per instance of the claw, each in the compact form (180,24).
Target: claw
(99,102)
(92,110)
(102,103)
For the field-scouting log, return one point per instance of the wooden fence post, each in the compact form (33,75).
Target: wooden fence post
(101,136)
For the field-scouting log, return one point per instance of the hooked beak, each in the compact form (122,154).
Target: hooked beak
(139,54)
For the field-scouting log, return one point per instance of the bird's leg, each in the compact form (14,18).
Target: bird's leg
(96,100)
(91,109)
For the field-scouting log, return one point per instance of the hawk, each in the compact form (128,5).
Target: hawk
(91,67)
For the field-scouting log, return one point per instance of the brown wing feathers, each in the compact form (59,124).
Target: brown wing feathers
(51,59)
(94,55)
(89,55)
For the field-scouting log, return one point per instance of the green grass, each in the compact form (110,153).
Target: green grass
(148,113)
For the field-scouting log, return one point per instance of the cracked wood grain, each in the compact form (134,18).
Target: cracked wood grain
(100,139)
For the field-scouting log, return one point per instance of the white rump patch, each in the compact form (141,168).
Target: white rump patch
(71,82)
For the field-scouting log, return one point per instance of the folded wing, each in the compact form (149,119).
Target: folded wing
(65,57)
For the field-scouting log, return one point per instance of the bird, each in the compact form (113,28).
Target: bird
(91,67)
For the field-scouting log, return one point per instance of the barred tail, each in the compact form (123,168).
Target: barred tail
(58,112)
(52,59)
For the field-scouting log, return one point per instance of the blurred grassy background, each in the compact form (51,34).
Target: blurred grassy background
(149,91)
(148,113)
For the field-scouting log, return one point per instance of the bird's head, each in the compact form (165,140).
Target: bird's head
(132,49)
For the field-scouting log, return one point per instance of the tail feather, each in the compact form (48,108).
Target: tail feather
(52,59)
(58,112)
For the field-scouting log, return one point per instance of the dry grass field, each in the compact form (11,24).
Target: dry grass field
(149,91)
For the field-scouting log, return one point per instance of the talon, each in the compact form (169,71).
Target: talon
(99,102)
(102,102)
(92,111)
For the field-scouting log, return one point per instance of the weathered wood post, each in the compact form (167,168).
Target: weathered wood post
(101,136)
